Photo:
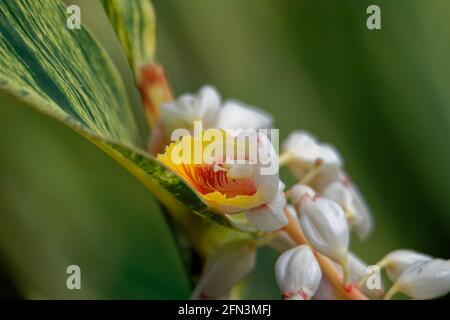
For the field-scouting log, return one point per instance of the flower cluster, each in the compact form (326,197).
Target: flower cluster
(309,223)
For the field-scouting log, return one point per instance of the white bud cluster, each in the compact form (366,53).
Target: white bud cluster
(328,207)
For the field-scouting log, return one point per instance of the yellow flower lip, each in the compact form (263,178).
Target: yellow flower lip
(210,180)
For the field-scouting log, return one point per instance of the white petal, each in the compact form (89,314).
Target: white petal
(237,115)
(208,104)
(364,224)
(398,261)
(339,193)
(270,217)
(298,191)
(325,225)
(426,280)
(224,269)
(267,175)
(240,171)
(306,150)
(188,108)
(298,273)
(353,204)
(323,178)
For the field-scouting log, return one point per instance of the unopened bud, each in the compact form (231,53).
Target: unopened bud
(298,273)
(351,201)
(237,115)
(363,224)
(325,226)
(426,280)
(224,269)
(306,149)
(298,191)
(399,260)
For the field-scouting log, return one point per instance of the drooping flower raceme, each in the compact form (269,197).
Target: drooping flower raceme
(233,172)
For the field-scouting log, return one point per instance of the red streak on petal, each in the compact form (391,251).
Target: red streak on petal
(302,293)
(206,180)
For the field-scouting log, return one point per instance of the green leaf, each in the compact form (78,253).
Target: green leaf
(62,71)
(63,202)
(134,24)
(65,74)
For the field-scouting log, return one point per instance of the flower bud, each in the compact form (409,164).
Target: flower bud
(363,224)
(298,191)
(426,280)
(225,268)
(325,225)
(237,115)
(353,204)
(188,108)
(398,261)
(270,217)
(304,150)
(298,273)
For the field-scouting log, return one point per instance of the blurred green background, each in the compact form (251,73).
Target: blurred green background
(381,96)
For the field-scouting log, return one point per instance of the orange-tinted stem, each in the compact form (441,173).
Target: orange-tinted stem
(155,91)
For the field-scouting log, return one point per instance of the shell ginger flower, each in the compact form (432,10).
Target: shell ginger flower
(229,175)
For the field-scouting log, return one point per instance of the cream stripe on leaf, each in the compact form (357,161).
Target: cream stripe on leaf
(134,24)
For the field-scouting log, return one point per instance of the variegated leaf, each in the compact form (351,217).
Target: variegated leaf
(68,76)
(134,24)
